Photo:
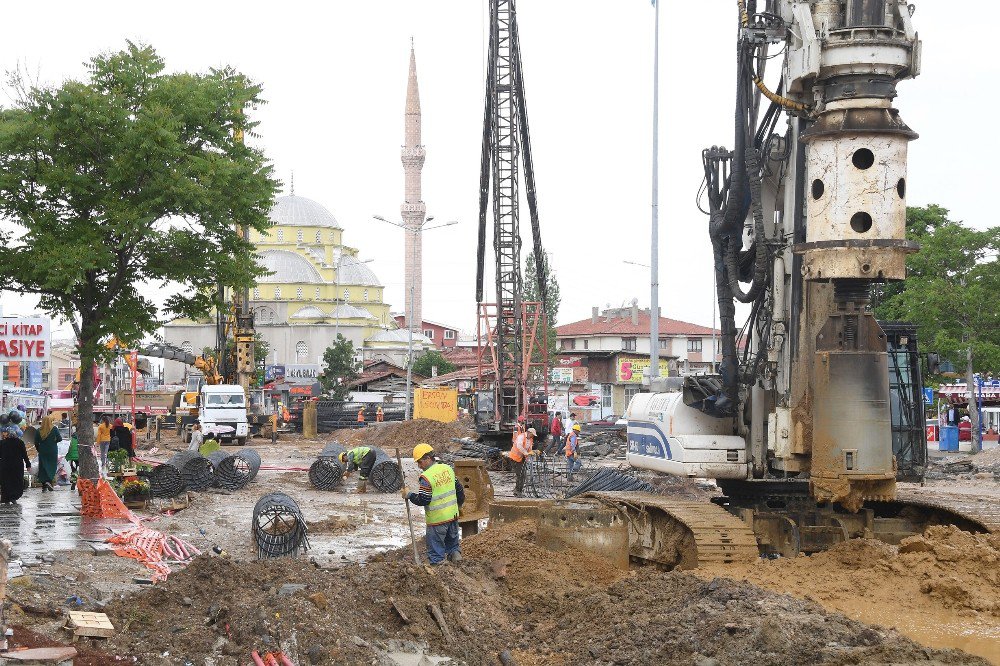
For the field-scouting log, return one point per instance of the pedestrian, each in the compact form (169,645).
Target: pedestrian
(48,452)
(103,441)
(124,436)
(518,451)
(573,452)
(555,428)
(568,423)
(379,414)
(13,463)
(441,495)
(73,458)
(361,416)
(197,437)
(361,458)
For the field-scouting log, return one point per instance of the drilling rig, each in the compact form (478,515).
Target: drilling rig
(512,333)
(796,428)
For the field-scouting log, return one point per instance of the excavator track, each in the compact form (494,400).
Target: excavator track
(982,512)
(681,534)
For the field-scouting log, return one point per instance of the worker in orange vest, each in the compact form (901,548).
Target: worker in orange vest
(379,415)
(361,415)
(573,452)
(519,450)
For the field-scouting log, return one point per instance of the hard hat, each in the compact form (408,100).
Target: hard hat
(343,456)
(576,427)
(532,432)
(421,450)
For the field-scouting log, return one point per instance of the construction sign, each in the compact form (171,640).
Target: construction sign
(438,404)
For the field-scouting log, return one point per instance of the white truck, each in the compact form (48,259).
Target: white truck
(225,406)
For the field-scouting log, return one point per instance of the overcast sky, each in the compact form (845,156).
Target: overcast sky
(334,74)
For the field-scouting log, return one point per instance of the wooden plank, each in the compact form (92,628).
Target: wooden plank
(96,625)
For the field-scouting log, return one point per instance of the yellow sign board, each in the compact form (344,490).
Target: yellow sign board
(630,369)
(436,404)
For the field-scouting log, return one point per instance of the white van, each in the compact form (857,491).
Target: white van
(225,405)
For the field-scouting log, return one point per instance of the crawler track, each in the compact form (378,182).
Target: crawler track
(680,534)
(983,512)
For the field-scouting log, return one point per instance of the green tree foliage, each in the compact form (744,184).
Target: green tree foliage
(951,288)
(431,359)
(131,177)
(341,368)
(552,299)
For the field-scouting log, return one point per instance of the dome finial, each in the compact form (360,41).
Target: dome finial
(293,183)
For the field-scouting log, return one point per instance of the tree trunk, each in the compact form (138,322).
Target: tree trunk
(973,386)
(89,466)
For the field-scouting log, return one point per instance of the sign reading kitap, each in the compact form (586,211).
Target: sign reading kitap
(25,339)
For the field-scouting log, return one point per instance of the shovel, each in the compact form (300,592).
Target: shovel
(409,518)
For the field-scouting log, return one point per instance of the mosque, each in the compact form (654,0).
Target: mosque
(317,287)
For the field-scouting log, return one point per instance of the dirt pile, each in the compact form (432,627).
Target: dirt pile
(406,435)
(942,588)
(508,594)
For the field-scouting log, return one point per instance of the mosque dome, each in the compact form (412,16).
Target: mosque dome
(288,268)
(294,211)
(354,271)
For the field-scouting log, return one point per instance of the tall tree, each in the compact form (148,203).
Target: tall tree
(432,359)
(552,299)
(950,291)
(341,368)
(130,178)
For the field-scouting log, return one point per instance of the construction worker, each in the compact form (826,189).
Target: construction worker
(361,416)
(520,448)
(379,414)
(361,458)
(573,452)
(441,495)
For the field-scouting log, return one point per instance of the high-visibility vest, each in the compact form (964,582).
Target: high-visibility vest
(516,451)
(571,444)
(359,453)
(444,502)
(361,416)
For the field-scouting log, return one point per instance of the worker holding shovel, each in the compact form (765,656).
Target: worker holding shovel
(441,495)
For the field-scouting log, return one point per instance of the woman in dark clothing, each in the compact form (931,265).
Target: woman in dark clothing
(124,436)
(48,452)
(13,461)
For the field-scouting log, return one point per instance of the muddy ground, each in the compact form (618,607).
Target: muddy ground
(508,595)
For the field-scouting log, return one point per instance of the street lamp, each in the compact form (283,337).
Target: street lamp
(654,281)
(654,323)
(413,229)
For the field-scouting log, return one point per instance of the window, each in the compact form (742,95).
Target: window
(347,294)
(317,293)
(628,344)
(631,392)
(281,235)
(366,295)
(256,293)
(449,334)
(319,238)
(606,396)
(298,293)
(569,343)
(664,343)
(187,347)
(298,236)
(301,351)
(429,333)
(694,345)
(277,293)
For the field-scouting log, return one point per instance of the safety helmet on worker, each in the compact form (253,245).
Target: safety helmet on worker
(532,432)
(421,450)
(343,456)
(576,427)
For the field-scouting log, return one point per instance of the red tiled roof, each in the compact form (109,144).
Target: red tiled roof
(624,326)
(461,357)
(458,375)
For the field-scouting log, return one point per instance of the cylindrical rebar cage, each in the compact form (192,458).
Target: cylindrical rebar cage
(165,481)
(195,469)
(278,527)
(386,476)
(327,472)
(234,471)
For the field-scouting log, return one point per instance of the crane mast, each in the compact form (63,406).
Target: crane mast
(511,331)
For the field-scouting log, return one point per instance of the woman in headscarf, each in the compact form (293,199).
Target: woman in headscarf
(48,452)
(124,436)
(13,461)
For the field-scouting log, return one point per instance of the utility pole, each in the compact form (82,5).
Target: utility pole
(972,384)
(654,263)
